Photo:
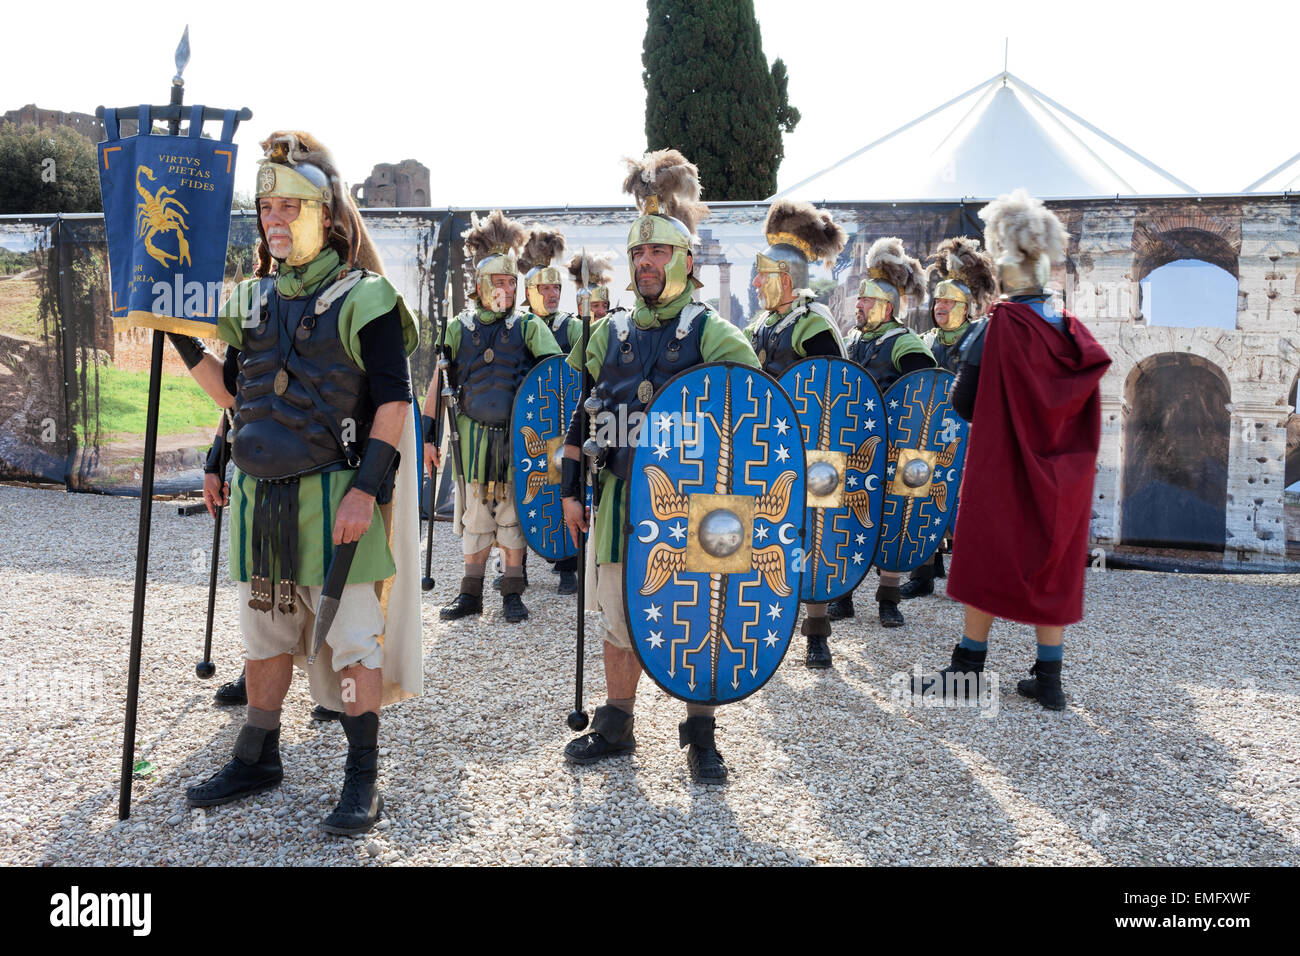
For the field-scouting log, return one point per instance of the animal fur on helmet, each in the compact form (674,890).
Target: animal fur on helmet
(600,268)
(962,259)
(668,174)
(1022,225)
(542,247)
(491,232)
(348,235)
(890,259)
(814,226)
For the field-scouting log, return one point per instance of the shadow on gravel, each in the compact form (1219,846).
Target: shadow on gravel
(707,835)
(909,801)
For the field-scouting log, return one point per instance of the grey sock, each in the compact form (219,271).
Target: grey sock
(514,571)
(262,719)
(625,704)
(699,710)
(475,570)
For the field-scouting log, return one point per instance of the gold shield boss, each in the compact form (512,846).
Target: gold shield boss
(310,186)
(655,228)
(959,296)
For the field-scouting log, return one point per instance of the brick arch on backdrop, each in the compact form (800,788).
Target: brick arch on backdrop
(1176,432)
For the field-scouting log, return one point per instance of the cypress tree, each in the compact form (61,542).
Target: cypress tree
(711,94)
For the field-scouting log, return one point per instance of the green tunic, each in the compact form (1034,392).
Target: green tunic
(906,344)
(720,341)
(474,437)
(810,326)
(369,299)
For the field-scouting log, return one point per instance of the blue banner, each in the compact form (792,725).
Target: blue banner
(167,219)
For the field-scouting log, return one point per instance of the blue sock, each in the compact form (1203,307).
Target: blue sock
(1050,652)
(968,645)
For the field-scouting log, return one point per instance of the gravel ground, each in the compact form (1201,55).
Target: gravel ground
(1181,744)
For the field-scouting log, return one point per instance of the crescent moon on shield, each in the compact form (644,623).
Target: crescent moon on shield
(869,486)
(526,464)
(952,474)
(646,538)
(781,533)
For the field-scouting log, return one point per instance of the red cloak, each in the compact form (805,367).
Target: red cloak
(1021,542)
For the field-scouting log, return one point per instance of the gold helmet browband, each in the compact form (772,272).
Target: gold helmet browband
(310,185)
(798,234)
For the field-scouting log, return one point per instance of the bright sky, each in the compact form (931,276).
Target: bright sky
(520,103)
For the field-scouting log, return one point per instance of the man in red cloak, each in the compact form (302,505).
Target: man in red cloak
(1031,379)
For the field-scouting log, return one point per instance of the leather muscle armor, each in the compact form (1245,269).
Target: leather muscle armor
(282,436)
(623,368)
(487,389)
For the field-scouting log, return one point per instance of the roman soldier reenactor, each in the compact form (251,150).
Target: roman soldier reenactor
(792,326)
(966,287)
(542,288)
(888,350)
(630,356)
(492,347)
(600,271)
(317,368)
(1026,498)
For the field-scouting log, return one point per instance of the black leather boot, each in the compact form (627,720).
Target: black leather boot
(939,571)
(512,605)
(255,768)
(921,581)
(840,608)
(960,680)
(702,756)
(1044,685)
(322,713)
(469,601)
(361,803)
(501,578)
(233,692)
(888,598)
(610,735)
(568,583)
(817,630)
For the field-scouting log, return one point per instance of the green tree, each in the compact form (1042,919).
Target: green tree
(711,94)
(47,170)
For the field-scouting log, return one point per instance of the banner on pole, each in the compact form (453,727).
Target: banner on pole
(167,202)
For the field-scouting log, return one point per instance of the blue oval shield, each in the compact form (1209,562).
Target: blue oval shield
(842,419)
(544,405)
(716,513)
(927,450)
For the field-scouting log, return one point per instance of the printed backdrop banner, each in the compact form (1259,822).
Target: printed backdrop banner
(167,205)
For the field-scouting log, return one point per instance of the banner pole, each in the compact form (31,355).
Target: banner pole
(146,499)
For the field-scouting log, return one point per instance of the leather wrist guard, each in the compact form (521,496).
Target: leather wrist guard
(570,479)
(377,467)
(190,349)
(213,466)
(429,427)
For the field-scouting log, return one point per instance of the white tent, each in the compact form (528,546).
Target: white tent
(1281,179)
(989,140)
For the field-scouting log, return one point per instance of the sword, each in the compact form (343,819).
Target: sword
(578,719)
(331,594)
